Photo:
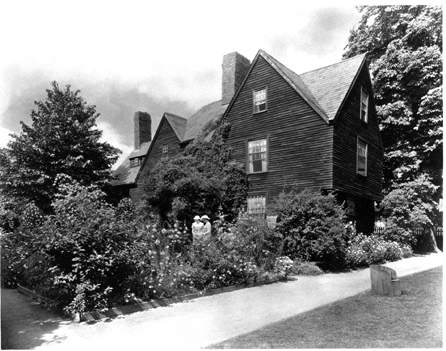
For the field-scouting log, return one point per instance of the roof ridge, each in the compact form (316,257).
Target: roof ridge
(202,107)
(334,64)
(297,83)
(173,115)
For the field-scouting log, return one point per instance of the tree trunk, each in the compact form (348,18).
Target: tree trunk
(433,241)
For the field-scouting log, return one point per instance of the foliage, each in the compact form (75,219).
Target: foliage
(250,237)
(88,243)
(407,206)
(17,248)
(283,266)
(366,250)
(305,268)
(312,226)
(203,179)
(92,255)
(404,45)
(63,139)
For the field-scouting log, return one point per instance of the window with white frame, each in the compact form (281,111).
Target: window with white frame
(165,149)
(361,165)
(364,105)
(257,156)
(259,97)
(256,204)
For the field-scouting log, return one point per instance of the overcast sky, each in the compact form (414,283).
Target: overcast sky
(152,56)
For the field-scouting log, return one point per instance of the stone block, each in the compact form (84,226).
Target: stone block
(384,281)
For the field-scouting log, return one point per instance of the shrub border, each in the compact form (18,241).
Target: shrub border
(143,306)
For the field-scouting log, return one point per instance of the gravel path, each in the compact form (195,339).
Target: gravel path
(192,324)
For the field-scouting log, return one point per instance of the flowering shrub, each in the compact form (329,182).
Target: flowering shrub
(366,250)
(283,266)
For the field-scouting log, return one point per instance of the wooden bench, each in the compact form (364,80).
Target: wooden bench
(384,280)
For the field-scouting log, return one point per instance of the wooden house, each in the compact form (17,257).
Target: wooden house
(313,130)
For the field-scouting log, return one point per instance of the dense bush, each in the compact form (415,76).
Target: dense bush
(366,250)
(19,260)
(409,205)
(305,268)
(312,226)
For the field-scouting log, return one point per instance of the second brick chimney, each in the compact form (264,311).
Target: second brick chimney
(143,128)
(235,67)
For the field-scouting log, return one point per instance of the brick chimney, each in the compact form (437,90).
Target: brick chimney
(143,128)
(235,67)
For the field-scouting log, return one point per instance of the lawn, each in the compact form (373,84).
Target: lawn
(413,320)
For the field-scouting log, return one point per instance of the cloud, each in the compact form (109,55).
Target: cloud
(153,56)
(111,136)
(4,136)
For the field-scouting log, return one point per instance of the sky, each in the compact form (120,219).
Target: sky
(151,56)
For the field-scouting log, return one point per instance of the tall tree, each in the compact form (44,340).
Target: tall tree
(404,46)
(63,139)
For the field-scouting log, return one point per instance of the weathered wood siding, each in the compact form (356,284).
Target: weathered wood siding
(165,136)
(300,141)
(347,128)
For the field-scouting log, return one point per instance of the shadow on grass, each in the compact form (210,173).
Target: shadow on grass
(412,320)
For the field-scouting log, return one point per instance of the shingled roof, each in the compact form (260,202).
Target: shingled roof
(124,173)
(202,117)
(330,85)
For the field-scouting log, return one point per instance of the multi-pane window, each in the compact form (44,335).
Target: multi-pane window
(136,161)
(259,97)
(165,149)
(361,166)
(257,156)
(256,204)
(364,105)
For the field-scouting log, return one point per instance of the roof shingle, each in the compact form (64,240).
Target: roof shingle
(202,117)
(330,84)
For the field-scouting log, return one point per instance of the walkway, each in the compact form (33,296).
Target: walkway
(196,323)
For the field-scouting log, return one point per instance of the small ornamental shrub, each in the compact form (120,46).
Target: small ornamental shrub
(283,266)
(251,238)
(305,268)
(312,226)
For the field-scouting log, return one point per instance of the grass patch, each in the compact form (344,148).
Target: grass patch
(413,320)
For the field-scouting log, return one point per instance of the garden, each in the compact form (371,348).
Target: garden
(92,255)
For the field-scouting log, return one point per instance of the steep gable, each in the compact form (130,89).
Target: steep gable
(177,123)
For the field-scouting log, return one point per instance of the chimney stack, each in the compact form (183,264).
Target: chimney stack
(143,128)
(235,67)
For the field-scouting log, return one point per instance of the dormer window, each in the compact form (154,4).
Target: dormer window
(136,161)
(165,149)
(259,100)
(364,105)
